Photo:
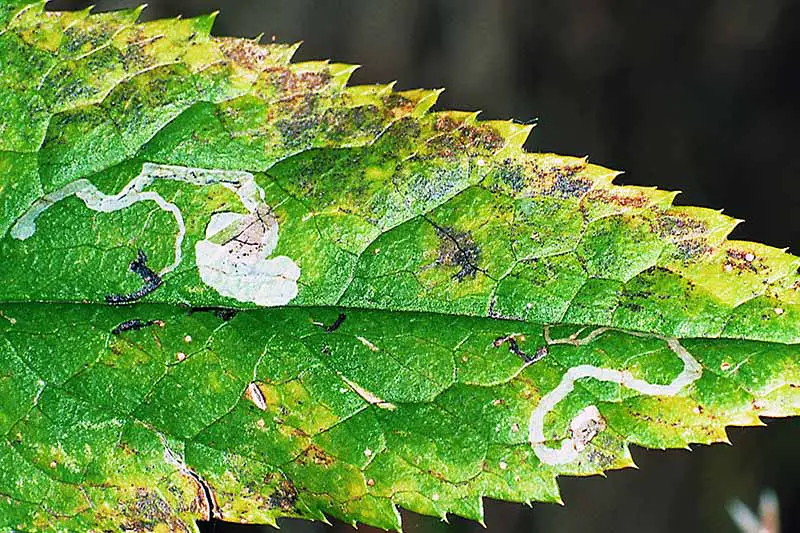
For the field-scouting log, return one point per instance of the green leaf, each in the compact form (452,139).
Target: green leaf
(236,287)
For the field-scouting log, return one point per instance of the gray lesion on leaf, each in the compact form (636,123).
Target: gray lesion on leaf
(457,249)
(284,497)
(147,511)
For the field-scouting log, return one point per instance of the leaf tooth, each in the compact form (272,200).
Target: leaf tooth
(386,88)
(291,49)
(137,11)
(471,508)
(515,135)
(425,98)
(668,195)
(341,74)
(80,14)
(178,30)
(358,95)
(203,24)
(414,103)
(378,512)
(604,177)
(472,118)
(312,512)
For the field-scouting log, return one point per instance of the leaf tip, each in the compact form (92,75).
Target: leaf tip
(293,48)
(138,10)
(515,134)
(205,23)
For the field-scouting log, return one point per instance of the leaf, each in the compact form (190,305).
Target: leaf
(234,287)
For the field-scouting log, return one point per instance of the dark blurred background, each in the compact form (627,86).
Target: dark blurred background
(701,96)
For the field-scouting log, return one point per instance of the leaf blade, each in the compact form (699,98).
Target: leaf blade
(499,306)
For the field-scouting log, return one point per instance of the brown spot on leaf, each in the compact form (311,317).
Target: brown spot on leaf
(601,459)
(461,139)
(316,455)
(289,82)
(680,226)
(284,496)
(249,54)
(445,123)
(512,175)
(619,197)
(458,249)
(740,260)
(560,181)
(147,511)
(484,138)
(399,104)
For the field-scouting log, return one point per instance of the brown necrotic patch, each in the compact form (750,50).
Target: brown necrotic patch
(134,50)
(399,104)
(566,183)
(147,511)
(529,176)
(82,39)
(445,123)
(484,138)
(284,497)
(297,132)
(459,139)
(620,197)
(315,454)
(457,249)
(680,226)
(350,121)
(692,248)
(740,260)
(249,54)
(289,82)
(688,234)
